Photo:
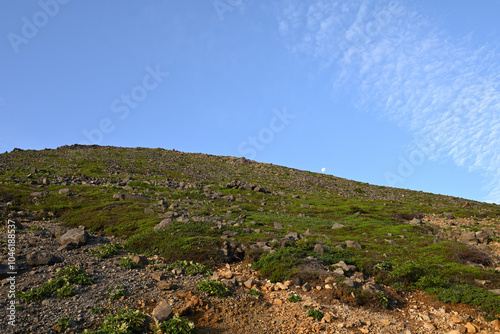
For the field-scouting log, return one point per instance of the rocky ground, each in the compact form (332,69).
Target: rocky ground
(40,252)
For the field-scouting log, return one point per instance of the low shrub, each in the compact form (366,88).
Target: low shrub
(215,288)
(125,321)
(176,325)
(316,314)
(190,267)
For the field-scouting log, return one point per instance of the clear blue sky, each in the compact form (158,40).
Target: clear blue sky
(399,93)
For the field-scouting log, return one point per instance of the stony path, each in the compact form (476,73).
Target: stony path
(272,312)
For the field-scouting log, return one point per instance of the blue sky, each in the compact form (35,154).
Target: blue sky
(397,93)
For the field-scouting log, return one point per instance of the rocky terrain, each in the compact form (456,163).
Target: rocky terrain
(154,208)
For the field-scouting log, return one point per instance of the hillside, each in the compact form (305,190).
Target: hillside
(363,255)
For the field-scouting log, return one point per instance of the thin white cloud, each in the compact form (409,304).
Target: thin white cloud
(410,72)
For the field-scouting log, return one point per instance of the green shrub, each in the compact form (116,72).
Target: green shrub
(106,251)
(176,325)
(35,228)
(282,264)
(117,292)
(190,267)
(294,298)
(215,288)
(468,294)
(64,323)
(61,285)
(254,292)
(97,310)
(127,262)
(125,321)
(316,314)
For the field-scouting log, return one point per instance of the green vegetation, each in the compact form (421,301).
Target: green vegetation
(315,314)
(35,228)
(125,321)
(64,323)
(254,292)
(176,325)
(223,196)
(212,287)
(294,298)
(190,267)
(127,262)
(97,310)
(106,251)
(61,285)
(282,264)
(117,292)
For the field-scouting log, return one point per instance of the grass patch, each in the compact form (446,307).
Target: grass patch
(61,285)
(106,251)
(127,262)
(190,267)
(125,321)
(176,325)
(315,314)
(212,287)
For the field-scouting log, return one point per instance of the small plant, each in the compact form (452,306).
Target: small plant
(127,262)
(176,325)
(294,298)
(254,292)
(191,268)
(215,288)
(386,265)
(315,314)
(61,285)
(64,323)
(117,292)
(97,310)
(106,251)
(125,321)
(35,228)
(383,300)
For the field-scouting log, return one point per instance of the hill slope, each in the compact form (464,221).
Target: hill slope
(290,225)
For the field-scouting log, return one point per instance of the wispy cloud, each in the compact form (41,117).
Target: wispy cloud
(409,71)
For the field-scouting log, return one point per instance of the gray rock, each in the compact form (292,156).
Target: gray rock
(339,271)
(292,236)
(65,191)
(337,226)
(140,260)
(482,237)
(416,221)
(163,224)
(249,283)
(42,258)
(448,215)
(162,312)
(310,232)
(76,236)
(306,287)
(319,249)
(392,242)
(278,225)
(353,244)
(349,282)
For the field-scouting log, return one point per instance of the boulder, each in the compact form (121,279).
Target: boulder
(319,249)
(163,224)
(42,258)
(337,226)
(353,244)
(162,312)
(76,236)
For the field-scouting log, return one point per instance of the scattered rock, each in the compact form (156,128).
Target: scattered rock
(353,244)
(337,226)
(76,236)
(162,312)
(42,258)
(163,224)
